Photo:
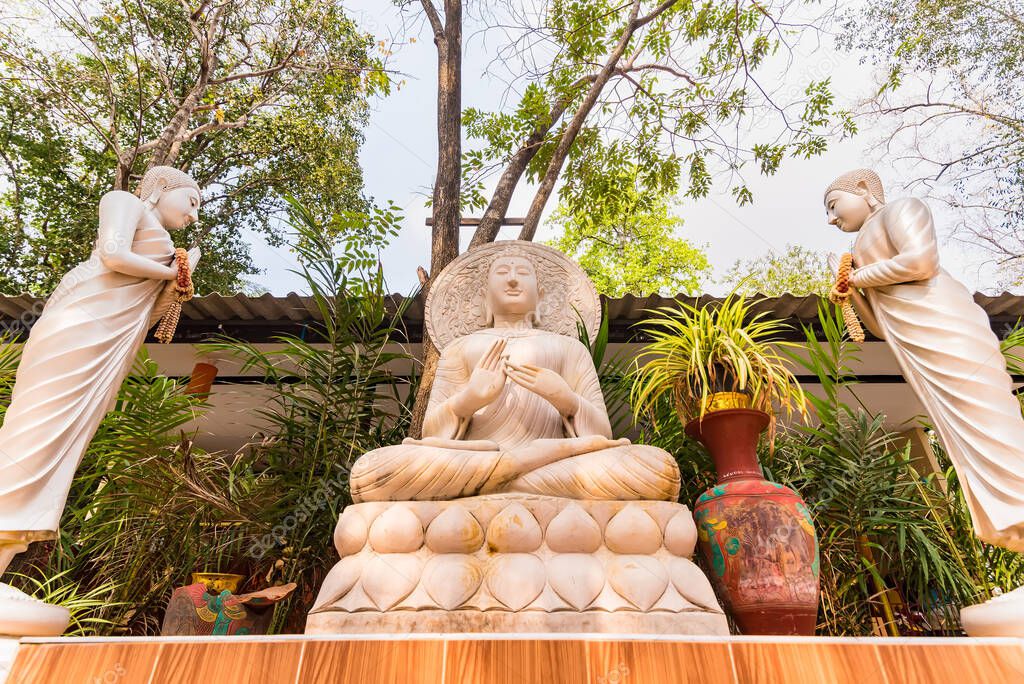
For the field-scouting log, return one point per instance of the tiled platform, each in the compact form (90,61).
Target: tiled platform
(518,659)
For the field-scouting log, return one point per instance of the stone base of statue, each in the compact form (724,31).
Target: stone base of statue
(22,615)
(516,563)
(1002,616)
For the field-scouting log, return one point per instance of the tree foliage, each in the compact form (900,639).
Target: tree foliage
(673,88)
(797,271)
(627,239)
(638,253)
(952,103)
(254,98)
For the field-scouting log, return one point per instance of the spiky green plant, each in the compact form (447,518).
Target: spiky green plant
(333,399)
(613,374)
(697,351)
(10,354)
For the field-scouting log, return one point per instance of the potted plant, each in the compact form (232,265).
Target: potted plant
(223,542)
(721,368)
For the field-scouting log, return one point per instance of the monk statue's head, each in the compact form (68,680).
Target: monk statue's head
(513,292)
(172,195)
(852,198)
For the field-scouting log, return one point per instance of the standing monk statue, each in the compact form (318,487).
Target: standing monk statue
(72,365)
(944,344)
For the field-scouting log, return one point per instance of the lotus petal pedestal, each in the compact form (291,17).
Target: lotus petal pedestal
(516,563)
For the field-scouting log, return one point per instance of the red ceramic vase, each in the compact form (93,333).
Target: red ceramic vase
(757,536)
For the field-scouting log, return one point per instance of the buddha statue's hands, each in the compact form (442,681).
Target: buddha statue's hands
(833,264)
(485,383)
(860,302)
(194,254)
(545,383)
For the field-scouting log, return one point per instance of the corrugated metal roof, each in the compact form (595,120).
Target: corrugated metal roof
(630,308)
(297,308)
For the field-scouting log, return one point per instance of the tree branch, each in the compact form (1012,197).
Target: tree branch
(654,14)
(659,67)
(571,131)
(435,20)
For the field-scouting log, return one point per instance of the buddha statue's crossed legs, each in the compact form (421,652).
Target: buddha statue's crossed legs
(578,468)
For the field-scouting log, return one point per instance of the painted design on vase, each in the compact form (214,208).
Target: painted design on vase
(807,523)
(761,543)
(756,534)
(707,532)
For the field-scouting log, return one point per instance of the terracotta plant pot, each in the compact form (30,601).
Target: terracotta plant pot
(757,536)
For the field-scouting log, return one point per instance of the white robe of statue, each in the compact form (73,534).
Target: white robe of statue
(77,355)
(944,345)
(73,363)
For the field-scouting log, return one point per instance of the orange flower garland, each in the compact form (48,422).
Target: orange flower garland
(183,291)
(841,295)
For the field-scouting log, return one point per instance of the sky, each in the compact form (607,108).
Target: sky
(400,148)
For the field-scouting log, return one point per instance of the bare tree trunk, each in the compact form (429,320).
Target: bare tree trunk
(165,151)
(447,184)
(123,175)
(490,223)
(565,142)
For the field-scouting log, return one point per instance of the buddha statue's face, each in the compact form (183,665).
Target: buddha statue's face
(512,286)
(177,208)
(848,211)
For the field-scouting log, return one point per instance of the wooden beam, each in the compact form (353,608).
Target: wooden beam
(468,221)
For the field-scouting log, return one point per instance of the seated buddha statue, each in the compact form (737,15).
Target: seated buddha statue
(516,405)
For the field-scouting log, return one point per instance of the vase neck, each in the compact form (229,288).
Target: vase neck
(728,470)
(730,436)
